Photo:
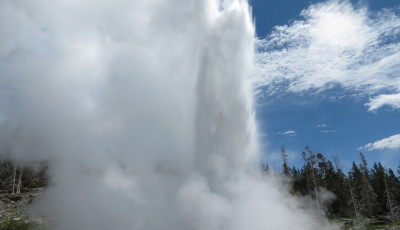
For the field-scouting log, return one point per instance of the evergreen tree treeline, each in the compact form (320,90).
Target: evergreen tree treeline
(16,178)
(363,191)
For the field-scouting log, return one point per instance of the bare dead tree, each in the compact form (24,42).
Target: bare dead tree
(369,196)
(390,201)
(19,180)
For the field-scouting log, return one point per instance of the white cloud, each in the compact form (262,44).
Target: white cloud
(392,100)
(323,128)
(334,44)
(392,142)
(325,131)
(329,131)
(289,133)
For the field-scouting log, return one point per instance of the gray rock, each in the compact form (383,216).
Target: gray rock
(15,198)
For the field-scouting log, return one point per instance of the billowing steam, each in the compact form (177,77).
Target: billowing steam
(144,111)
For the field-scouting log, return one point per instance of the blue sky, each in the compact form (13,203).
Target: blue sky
(328,75)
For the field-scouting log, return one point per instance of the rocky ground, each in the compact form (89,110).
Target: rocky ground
(13,215)
(367,224)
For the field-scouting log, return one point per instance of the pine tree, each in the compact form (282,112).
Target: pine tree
(286,169)
(300,181)
(378,185)
(340,186)
(6,175)
(306,172)
(13,183)
(311,161)
(398,168)
(13,179)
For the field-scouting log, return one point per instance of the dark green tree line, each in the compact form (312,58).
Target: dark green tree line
(362,191)
(16,178)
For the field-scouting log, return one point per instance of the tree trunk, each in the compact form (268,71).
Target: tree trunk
(19,180)
(353,200)
(315,189)
(389,200)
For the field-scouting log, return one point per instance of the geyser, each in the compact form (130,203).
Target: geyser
(144,111)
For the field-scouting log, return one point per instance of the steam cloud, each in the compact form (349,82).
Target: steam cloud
(144,111)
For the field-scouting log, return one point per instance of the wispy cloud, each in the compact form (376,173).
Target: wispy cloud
(323,128)
(325,131)
(335,44)
(392,142)
(329,130)
(289,133)
(392,100)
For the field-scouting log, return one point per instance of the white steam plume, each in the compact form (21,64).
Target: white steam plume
(144,112)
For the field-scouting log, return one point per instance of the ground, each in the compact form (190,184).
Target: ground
(367,224)
(13,215)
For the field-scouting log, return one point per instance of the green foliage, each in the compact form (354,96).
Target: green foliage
(17,225)
(6,174)
(286,169)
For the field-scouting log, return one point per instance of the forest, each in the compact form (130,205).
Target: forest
(16,178)
(363,191)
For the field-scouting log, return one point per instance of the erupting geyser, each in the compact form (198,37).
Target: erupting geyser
(144,111)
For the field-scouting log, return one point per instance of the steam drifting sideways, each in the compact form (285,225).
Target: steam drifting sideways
(144,111)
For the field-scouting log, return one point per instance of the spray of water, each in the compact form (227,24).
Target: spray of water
(144,111)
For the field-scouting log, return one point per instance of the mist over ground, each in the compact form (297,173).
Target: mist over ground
(143,110)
